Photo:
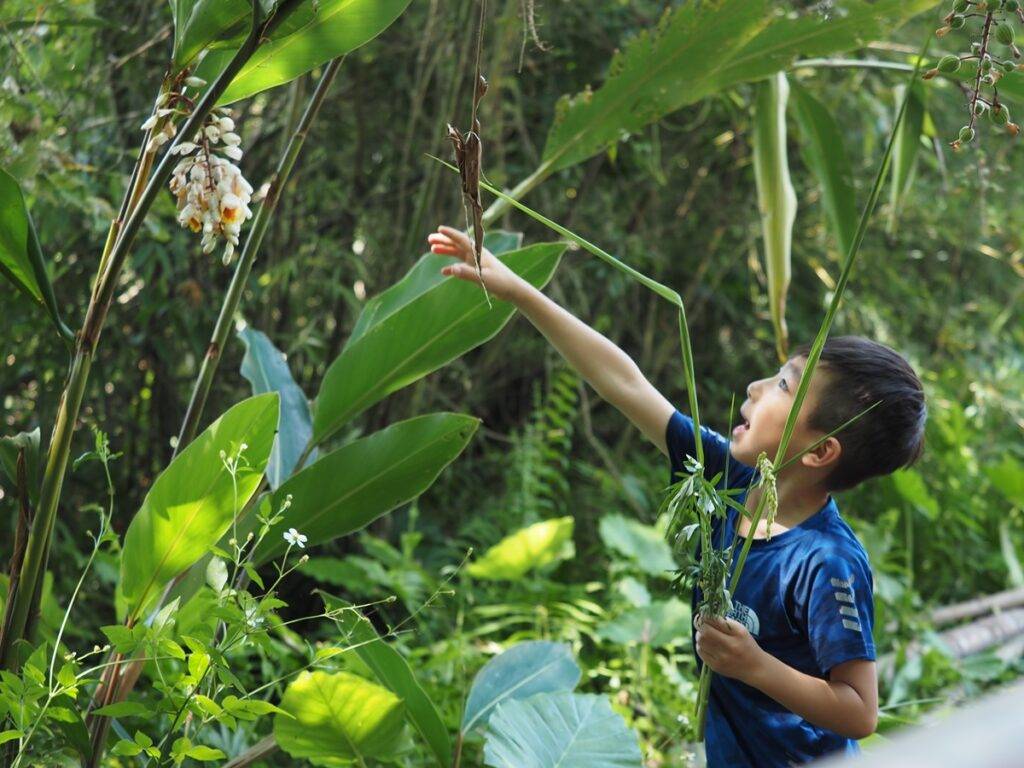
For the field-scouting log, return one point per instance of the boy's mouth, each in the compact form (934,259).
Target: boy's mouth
(740,429)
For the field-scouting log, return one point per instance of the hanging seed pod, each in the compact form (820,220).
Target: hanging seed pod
(1000,114)
(1012,6)
(958,21)
(966,135)
(1004,33)
(775,197)
(960,6)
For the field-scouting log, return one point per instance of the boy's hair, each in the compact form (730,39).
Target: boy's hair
(889,436)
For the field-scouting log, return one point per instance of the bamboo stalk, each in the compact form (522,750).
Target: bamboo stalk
(1011,598)
(265,746)
(34,564)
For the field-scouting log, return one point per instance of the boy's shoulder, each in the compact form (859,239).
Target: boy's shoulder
(831,540)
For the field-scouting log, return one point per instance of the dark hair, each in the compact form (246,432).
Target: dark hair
(889,436)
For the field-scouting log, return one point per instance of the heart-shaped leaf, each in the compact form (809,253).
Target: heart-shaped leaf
(568,730)
(538,666)
(335,719)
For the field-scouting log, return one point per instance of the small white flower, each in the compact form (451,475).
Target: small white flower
(212,132)
(150,122)
(226,124)
(231,139)
(184,148)
(194,82)
(295,538)
(233,152)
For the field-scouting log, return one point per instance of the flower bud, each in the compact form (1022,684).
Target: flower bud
(942,31)
(929,74)
(980,107)
(986,63)
(195,82)
(948,64)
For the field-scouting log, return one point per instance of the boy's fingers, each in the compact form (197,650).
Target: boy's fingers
(460,238)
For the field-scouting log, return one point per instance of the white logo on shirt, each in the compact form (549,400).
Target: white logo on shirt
(847,610)
(744,616)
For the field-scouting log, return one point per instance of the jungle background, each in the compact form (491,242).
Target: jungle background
(940,279)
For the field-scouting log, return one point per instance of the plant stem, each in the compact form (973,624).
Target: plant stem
(218,339)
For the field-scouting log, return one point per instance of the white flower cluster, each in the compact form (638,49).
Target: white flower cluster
(213,196)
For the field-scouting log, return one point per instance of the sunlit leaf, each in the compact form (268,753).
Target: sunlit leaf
(313,34)
(644,545)
(336,718)
(532,547)
(192,503)
(200,23)
(394,672)
(658,624)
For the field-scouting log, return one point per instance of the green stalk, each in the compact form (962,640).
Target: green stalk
(34,564)
(219,337)
(812,360)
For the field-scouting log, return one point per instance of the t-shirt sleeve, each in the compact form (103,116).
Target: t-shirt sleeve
(840,610)
(679,438)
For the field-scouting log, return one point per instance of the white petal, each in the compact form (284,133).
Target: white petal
(150,122)
(233,152)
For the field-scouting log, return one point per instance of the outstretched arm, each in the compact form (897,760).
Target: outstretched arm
(611,372)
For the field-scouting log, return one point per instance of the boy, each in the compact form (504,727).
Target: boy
(795,659)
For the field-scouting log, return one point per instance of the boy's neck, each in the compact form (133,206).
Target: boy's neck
(798,501)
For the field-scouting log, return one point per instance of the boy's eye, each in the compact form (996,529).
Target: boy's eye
(783,385)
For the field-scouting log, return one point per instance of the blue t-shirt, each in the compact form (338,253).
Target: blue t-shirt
(805,596)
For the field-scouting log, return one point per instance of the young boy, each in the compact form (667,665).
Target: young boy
(795,659)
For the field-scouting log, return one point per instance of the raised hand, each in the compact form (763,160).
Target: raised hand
(500,280)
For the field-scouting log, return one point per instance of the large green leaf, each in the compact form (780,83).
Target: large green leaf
(336,718)
(1008,478)
(426,329)
(201,23)
(911,486)
(825,154)
(392,670)
(425,275)
(313,34)
(532,547)
(538,666)
(568,730)
(658,72)
(354,485)
(193,501)
(776,199)
(643,545)
(846,26)
(266,368)
(905,150)
(21,258)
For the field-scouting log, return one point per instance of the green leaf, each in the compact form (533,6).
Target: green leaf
(534,667)
(204,753)
(848,25)
(658,624)
(825,154)
(905,150)
(200,23)
(911,487)
(10,735)
(532,547)
(427,329)
(569,730)
(194,500)
(10,447)
(392,670)
(1008,478)
(124,709)
(644,545)
(425,275)
(776,199)
(658,72)
(357,483)
(267,370)
(336,718)
(313,34)
(21,258)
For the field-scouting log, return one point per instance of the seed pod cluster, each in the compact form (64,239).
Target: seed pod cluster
(993,55)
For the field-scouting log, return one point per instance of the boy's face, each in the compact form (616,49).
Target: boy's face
(763,414)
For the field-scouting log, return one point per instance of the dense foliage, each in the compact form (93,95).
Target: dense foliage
(551,489)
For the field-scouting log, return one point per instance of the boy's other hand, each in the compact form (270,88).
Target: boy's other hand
(729,649)
(499,279)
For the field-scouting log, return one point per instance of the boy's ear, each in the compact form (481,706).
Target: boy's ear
(824,455)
